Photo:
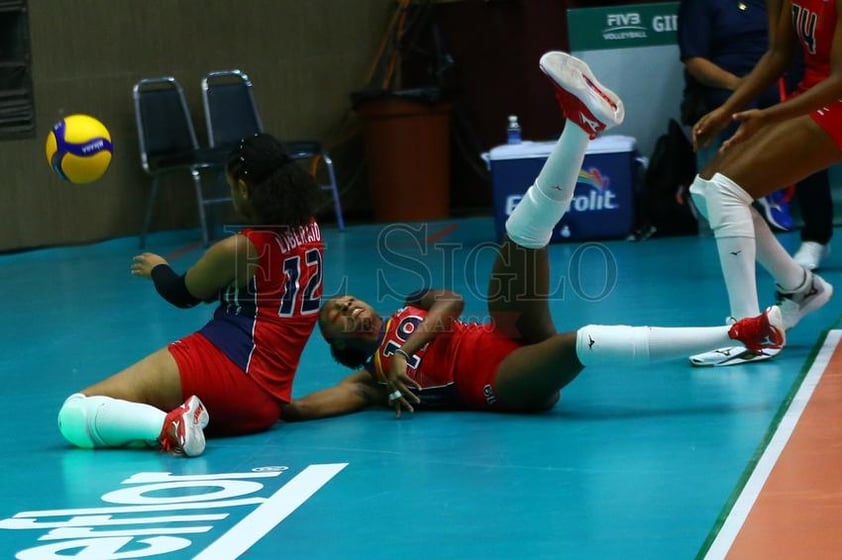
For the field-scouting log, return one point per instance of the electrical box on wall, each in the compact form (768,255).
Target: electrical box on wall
(17,110)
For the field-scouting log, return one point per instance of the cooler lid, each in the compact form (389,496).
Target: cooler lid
(608,144)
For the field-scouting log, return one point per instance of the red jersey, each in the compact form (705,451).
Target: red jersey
(453,368)
(814,22)
(264,326)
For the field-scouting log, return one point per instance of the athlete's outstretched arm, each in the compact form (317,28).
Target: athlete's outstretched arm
(224,263)
(356,392)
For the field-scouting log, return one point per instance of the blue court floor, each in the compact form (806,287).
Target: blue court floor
(632,463)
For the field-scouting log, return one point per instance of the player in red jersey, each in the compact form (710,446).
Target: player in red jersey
(240,366)
(423,354)
(774,147)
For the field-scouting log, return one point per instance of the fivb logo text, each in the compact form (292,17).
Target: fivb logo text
(158,513)
(629,25)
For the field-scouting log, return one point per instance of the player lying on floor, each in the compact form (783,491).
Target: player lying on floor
(424,355)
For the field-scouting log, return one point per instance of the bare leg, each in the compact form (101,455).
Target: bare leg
(779,155)
(517,293)
(530,377)
(154,380)
(130,406)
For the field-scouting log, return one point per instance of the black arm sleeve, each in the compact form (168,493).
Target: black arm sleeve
(171,286)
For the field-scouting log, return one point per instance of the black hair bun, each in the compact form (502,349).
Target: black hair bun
(257,157)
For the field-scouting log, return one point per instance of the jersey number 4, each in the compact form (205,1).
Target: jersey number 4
(805,26)
(306,299)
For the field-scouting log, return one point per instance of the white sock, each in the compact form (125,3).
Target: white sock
(729,212)
(787,273)
(106,422)
(545,202)
(560,173)
(624,345)
(737,260)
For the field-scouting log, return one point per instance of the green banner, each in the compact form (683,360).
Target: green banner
(619,27)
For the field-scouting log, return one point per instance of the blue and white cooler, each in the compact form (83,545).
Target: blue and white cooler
(603,203)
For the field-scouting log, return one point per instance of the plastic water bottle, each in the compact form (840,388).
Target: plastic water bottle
(513,131)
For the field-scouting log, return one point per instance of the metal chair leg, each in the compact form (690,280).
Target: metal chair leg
(337,203)
(150,204)
(200,200)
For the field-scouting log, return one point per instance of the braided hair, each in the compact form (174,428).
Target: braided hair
(353,358)
(280,191)
(348,356)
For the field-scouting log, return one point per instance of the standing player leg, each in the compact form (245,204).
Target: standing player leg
(779,154)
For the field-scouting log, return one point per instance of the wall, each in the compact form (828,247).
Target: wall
(633,50)
(495,46)
(304,58)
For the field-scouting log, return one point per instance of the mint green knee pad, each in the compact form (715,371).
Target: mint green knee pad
(73,421)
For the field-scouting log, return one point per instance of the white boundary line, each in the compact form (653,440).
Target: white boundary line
(739,512)
(267,515)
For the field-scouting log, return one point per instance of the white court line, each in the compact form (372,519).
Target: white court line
(748,496)
(267,515)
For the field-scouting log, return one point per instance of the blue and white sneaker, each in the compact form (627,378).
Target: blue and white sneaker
(775,209)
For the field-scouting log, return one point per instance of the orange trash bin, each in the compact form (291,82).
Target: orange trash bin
(407,146)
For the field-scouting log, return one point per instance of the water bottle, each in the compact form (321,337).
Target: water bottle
(513,131)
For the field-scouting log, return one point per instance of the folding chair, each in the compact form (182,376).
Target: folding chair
(168,143)
(231,114)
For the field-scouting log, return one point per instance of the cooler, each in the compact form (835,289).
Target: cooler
(603,202)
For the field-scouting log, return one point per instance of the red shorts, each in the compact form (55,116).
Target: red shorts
(830,119)
(235,403)
(479,356)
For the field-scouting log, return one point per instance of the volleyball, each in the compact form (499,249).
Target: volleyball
(79,148)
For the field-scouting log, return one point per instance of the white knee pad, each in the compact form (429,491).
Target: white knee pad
(728,207)
(698,192)
(73,421)
(531,223)
(617,345)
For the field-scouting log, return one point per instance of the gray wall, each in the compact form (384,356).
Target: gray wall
(305,57)
(649,80)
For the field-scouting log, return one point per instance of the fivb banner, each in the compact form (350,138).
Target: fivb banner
(633,50)
(615,27)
